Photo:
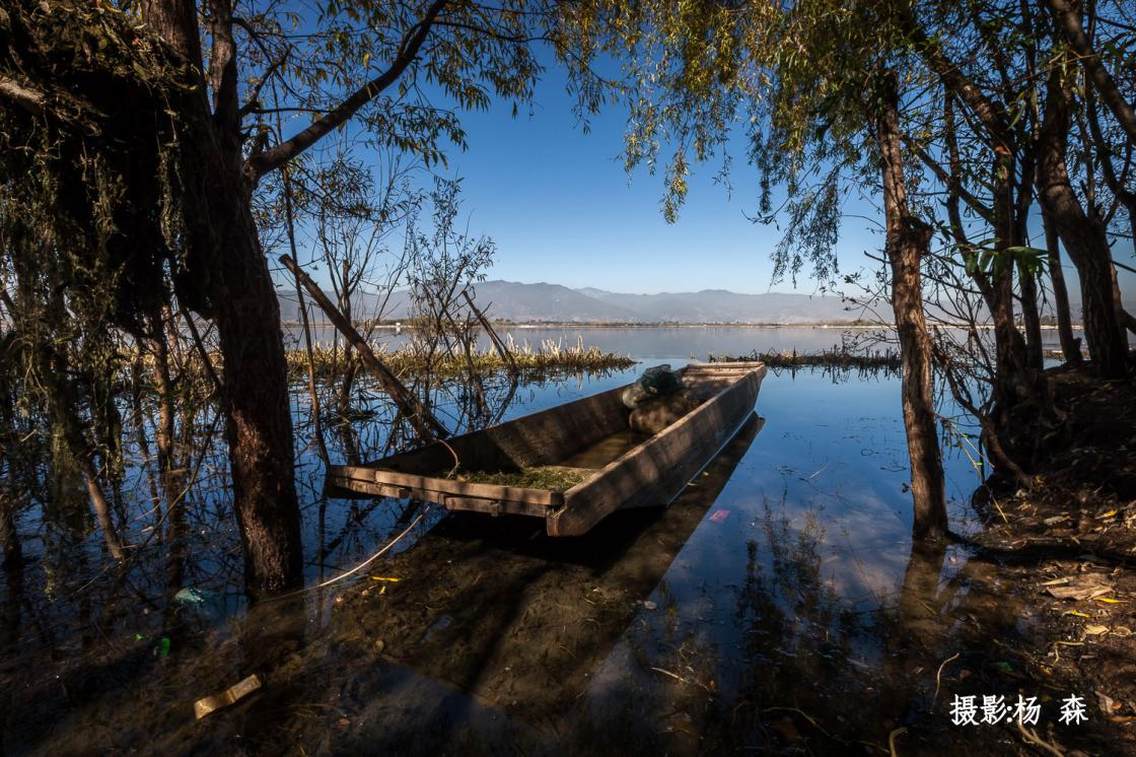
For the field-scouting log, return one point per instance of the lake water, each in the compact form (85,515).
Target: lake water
(674,342)
(769,607)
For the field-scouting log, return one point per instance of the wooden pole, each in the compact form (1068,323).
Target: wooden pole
(502,350)
(424,422)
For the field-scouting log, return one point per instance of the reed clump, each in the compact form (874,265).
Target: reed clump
(837,357)
(551,356)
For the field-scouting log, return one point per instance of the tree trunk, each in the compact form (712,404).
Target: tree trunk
(347,383)
(908,240)
(1126,319)
(258,422)
(11,555)
(1035,355)
(1017,382)
(172,483)
(63,411)
(1070,345)
(101,507)
(1009,347)
(229,268)
(1082,234)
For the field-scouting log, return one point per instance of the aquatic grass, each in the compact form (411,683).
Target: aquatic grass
(413,360)
(837,357)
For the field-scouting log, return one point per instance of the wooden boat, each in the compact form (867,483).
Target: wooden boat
(587,444)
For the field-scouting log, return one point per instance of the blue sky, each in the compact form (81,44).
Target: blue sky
(562,209)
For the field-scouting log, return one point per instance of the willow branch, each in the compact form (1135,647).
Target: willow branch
(270,160)
(1068,21)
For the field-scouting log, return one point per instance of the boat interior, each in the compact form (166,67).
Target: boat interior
(553,449)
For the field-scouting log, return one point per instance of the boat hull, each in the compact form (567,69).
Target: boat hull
(657,471)
(652,473)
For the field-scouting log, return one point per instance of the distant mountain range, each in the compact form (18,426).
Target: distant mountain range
(553,303)
(723,306)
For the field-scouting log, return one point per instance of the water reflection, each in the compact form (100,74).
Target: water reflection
(517,619)
(486,634)
(765,610)
(664,343)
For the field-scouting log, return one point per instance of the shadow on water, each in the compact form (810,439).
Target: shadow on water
(517,620)
(491,629)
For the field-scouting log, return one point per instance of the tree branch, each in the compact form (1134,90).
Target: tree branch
(972,202)
(990,112)
(253,103)
(29,99)
(223,76)
(1068,21)
(270,160)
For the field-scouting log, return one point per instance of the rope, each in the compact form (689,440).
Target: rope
(358,567)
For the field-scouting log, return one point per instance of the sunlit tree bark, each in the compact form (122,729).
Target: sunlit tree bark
(907,243)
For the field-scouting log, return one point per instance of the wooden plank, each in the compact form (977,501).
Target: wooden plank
(491,507)
(543,497)
(360,472)
(389,484)
(749,365)
(343,487)
(347,487)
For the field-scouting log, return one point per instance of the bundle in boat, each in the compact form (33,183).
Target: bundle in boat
(659,398)
(576,463)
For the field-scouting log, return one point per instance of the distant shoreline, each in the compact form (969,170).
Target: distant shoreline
(842,325)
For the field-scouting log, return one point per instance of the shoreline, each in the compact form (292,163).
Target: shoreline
(597,325)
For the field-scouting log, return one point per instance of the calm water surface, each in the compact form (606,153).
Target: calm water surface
(692,342)
(781,582)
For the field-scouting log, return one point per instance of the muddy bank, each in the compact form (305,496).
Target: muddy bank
(1065,548)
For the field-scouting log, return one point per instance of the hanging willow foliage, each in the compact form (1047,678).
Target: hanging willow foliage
(93,139)
(97,225)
